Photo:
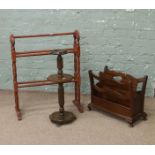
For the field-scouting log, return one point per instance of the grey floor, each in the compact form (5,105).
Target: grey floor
(91,127)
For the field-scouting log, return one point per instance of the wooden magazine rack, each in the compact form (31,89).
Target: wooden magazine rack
(75,50)
(116,92)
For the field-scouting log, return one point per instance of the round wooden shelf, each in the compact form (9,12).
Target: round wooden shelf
(57,78)
(60,52)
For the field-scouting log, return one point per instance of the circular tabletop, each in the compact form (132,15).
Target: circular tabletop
(60,79)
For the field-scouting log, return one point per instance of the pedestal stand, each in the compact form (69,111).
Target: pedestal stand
(61,116)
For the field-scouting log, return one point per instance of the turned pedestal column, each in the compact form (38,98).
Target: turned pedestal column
(61,116)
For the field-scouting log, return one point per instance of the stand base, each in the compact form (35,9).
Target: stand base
(58,118)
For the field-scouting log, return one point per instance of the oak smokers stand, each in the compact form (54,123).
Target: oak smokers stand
(75,50)
(118,93)
(61,116)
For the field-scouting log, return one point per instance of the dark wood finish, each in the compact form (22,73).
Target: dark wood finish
(61,116)
(65,78)
(21,84)
(118,93)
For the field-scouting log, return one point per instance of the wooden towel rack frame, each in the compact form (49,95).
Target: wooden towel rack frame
(75,51)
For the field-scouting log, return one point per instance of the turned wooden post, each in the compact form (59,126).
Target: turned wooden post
(15,84)
(60,85)
(77,70)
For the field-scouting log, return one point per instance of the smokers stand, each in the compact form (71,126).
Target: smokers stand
(60,117)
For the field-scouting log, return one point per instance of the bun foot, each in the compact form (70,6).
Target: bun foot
(89,107)
(144,116)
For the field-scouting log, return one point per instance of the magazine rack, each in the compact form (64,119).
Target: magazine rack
(59,79)
(118,93)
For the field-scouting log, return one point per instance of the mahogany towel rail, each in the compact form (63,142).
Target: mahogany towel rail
(76,78)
